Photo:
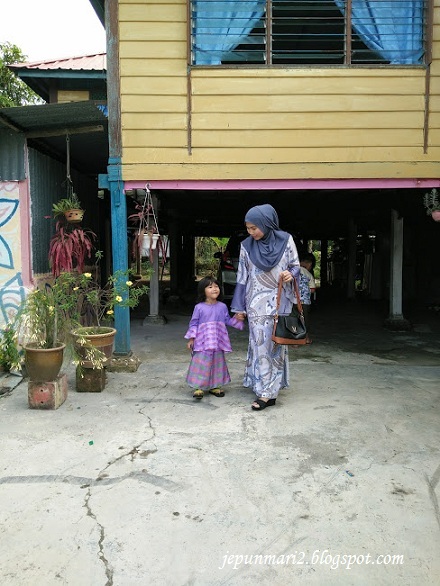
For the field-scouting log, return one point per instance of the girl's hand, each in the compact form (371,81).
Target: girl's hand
(190,344)
(239,316)
(287,276)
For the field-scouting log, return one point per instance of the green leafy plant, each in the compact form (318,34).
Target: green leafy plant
(65,204)
(13,91)
(96,304)
(431,201)
(10,355)
(50,314)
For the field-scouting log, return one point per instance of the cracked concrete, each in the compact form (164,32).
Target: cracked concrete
(142,485)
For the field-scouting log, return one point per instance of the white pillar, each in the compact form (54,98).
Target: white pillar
(153,293)
(396,263)
(351,276)
(154,285)
(395,319)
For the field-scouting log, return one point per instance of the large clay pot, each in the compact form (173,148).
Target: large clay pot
(101,337)
(436,215)
(43,364)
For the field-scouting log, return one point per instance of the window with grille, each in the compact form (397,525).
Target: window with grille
(308,32)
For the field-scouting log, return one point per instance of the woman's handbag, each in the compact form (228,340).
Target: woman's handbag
(289,329)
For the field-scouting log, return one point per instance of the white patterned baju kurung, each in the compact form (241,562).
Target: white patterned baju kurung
(267,365)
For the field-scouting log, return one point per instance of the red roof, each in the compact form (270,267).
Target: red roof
(96,62)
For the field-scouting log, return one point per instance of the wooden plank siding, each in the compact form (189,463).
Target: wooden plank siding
(267,123)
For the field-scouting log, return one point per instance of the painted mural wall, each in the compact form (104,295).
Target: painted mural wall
(12,290)
(267,123)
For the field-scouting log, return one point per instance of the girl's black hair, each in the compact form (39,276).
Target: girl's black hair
(201,286)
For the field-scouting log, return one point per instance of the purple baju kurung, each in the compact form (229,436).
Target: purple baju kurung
(208,369)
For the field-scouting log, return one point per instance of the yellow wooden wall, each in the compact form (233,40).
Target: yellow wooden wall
(266,123)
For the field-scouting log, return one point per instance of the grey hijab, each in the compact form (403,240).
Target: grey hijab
(267,252)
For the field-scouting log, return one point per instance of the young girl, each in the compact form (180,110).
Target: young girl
(307,286)
(208,340)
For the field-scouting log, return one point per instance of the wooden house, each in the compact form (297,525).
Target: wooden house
(328,110)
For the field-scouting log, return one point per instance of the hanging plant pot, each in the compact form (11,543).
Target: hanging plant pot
(146,243)
(74,216)
(43,364)
(149,242)
(154,239)
(436,215)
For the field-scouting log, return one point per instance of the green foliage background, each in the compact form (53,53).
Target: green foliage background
(13,91)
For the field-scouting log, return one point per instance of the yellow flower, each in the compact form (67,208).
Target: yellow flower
(75,288)
(110,312)
(50,308)
(118,298)
(88,275)
(128,283)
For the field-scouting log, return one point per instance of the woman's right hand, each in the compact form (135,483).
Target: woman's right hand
(190,344)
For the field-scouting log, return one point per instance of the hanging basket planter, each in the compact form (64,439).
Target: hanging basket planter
(147,237)
(149,242)
(431,201)
(74,216)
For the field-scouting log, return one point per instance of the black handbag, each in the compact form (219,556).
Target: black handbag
(289,329)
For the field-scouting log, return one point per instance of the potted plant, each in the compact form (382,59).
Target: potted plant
(70,208)
(96,306)
(69,247)
(146,238)
(431,202)
(58,317)
(43,323)
(145,230)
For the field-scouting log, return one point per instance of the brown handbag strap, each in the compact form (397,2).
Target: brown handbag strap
(298,299)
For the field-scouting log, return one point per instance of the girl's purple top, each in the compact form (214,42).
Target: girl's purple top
(208,327)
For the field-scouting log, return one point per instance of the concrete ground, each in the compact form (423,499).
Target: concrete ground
(337,484)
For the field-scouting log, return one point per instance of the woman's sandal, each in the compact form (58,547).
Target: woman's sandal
(217,392)
(262,404)
(198,394)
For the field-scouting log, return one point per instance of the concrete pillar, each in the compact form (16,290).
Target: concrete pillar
(351,273)
(188,264)
(395,320)
(324,263)
(154,285)
(154,277)
(175,252)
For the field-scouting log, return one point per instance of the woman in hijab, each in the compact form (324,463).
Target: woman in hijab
(266,254)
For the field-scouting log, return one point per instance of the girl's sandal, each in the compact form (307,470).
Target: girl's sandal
(217,392)
(198,394)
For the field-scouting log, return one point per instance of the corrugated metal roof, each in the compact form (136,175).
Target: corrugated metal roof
(46,127)
(11,155)
(97,62)
(50,116)
(99,7)
(73,73)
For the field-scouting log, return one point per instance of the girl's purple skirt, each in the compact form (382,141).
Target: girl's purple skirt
(208,370)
